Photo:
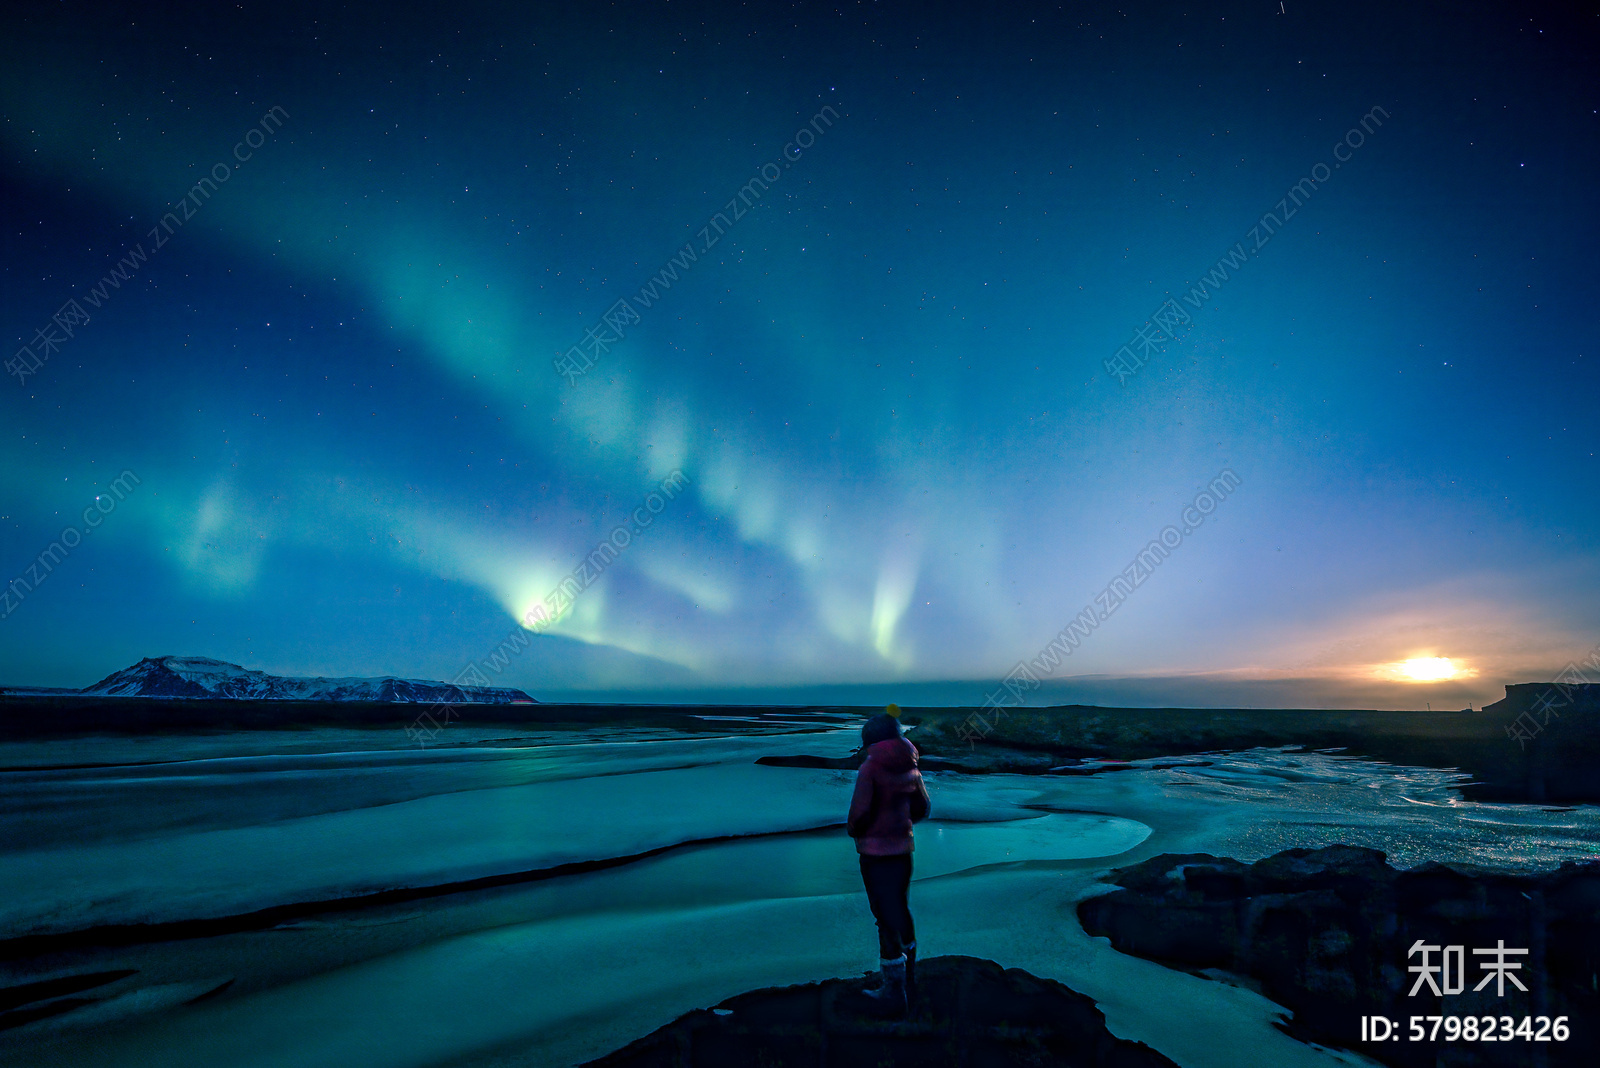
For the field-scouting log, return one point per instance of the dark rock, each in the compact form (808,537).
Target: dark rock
(1546,700)
(1326,934)
(1095,768)
(852,762)
(969,1012)
(27,993)
(807,760)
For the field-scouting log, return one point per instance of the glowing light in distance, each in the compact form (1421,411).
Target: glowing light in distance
(1428,668)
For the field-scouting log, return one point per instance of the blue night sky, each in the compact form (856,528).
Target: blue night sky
(908,465)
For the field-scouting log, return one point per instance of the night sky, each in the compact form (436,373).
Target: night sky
(918,235)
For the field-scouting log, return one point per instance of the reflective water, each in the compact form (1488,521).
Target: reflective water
(753,884)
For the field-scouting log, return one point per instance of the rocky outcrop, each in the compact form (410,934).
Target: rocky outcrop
(969,1012)
(1547,700)
(1326,934)
(926,763)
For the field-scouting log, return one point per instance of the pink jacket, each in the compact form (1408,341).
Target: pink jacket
(889,797)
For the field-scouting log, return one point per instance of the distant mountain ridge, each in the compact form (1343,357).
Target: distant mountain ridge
(181,677)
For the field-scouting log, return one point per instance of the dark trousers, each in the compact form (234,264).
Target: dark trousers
(888,881)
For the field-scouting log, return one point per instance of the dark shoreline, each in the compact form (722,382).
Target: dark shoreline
(30,718)
(1554,767)
(114,935)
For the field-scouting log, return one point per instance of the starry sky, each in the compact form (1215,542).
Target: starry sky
(904,247)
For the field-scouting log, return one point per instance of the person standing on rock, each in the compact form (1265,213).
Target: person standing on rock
(889,797)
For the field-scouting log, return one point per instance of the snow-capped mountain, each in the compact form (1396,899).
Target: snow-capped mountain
(198,676)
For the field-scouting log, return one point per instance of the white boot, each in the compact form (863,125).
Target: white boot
(890,993)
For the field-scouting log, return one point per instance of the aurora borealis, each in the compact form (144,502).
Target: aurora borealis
(907,462)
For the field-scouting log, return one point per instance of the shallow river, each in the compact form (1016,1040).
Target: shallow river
(741,878)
